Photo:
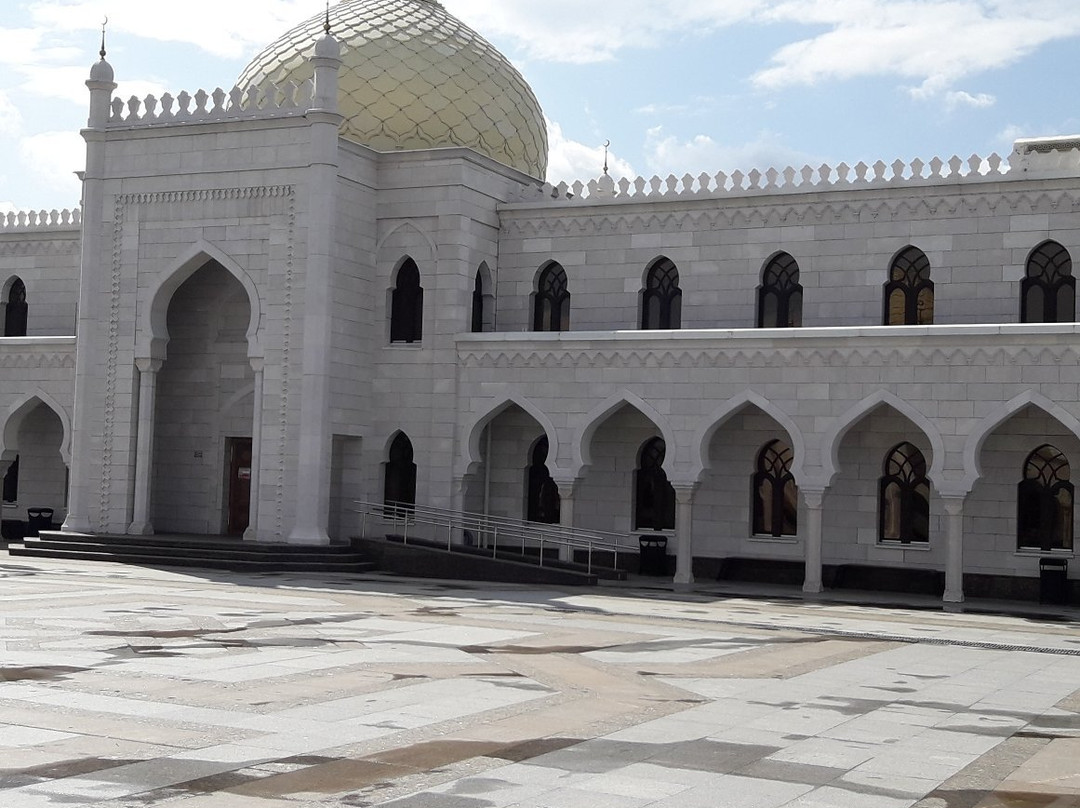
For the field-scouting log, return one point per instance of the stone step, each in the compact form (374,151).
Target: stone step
(207,554)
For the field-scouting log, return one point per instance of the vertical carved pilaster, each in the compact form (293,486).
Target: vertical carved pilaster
(144,447)
(252,532)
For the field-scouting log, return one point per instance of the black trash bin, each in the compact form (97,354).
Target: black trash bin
(653,559)
(1054,581)
(38,519)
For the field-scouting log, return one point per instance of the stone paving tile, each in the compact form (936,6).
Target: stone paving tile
(133,688)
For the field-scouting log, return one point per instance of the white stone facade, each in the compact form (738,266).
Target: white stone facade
(237,277)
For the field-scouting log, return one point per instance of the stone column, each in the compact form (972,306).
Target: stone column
(684,532)
(252,532)
(813,497)
(954,563)
(144,447)
(567,488)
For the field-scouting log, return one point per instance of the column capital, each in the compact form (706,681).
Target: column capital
(148,365)
(953,503)
(257,363)
(685,491)
(567,483)
(813,496)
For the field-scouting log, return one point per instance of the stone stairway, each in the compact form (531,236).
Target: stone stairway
(206,552)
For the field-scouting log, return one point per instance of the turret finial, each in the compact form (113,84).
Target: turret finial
(102,51)
(326,26)
(607,145)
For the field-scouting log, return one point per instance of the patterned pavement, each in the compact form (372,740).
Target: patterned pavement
(124,687)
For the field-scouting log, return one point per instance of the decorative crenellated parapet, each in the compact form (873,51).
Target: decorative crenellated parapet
(23,220)
(1062,158)
(254,103)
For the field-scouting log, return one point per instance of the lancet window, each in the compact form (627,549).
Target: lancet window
(551,304)
(904,497)
(780,294)
(661,299)
(909,293)
(775,495)
(1048,291)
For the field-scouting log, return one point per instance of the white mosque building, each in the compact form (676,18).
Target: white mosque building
(346,280)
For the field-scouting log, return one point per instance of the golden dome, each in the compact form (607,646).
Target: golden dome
(414,77)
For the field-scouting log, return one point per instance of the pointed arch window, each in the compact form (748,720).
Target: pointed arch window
(11,482)
(904,497)
(780,294)
(483,303)
(776,497)
(407,305)
(654,501)
(544,503)
(909,293)
(399,489)
(1048,292)
(1044,502)
(551,305)
(661,299)
(15,311)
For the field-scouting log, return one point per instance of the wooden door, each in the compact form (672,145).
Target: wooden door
(239,484)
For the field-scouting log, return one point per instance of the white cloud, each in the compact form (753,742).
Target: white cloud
(56,156)
(569,160)
(960,98)
(576,32)
(933,42)
(7,207)
(226,29)
(10,117)
(666,154)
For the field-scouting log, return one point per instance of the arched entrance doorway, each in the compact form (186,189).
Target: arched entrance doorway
(32,464)
(203,416)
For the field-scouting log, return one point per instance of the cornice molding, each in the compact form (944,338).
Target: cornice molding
(855,357)
(677,214)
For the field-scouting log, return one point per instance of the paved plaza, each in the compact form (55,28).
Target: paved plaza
(124,686)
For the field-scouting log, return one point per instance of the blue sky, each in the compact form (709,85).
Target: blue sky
(677,86)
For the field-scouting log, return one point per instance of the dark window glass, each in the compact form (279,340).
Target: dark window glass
(1048,292)
(904,497)
(776,497)
(544,501)
(11,482)
(909,294)
(1044,502)
(15,313)
(400,480)
(478,304)
(661,300)
(407,305)
(551,309)
(654,506)
(780,294)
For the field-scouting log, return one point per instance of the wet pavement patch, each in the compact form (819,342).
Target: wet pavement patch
(39,674)
(527,750)
(14,778)
(536,650)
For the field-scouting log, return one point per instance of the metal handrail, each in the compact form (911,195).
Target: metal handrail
(490,530)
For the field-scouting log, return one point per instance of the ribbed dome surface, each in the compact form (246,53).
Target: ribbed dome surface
(414,77)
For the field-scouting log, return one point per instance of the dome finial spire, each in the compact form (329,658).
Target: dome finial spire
(326,26)
(101,53)
(607,145)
